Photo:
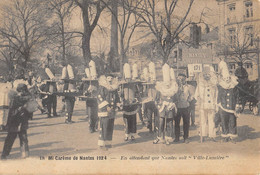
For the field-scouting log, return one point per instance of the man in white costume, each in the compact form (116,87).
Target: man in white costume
(206,96)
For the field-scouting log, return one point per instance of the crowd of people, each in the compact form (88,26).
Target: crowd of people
(164,103)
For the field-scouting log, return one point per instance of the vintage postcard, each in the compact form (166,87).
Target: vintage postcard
(129,87)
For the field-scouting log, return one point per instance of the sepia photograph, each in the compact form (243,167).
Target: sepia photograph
(129,87)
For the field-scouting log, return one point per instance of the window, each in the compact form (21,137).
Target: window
(232,66)
(232,37)
(248,9)
(175,56)
(232,7)
(249,36)
(180,54)
(248,65)
(215,66)
(231,13)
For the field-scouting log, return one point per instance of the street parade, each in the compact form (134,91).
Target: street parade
(113,86)
(163,103)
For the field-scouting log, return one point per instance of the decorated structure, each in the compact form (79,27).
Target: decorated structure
(90,90)
(166,108)
(131,104)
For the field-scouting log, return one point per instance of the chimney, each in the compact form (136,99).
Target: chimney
(195,35)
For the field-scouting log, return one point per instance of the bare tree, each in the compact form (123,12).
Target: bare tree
(166,20)
(8,56)
(127,22)
(62,9)
(24,28)
(91,11)
(240,42)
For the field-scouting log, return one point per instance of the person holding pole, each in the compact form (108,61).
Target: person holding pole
(206,96)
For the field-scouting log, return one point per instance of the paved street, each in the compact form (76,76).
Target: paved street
(52,137)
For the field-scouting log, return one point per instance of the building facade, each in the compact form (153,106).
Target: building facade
(239,29)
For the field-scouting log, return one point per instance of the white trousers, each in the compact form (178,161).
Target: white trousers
(3,116)
(207,122)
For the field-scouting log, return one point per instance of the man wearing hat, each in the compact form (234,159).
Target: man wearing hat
(108,100)
(183,98)
(17,123)
(206,96)
(227,103)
